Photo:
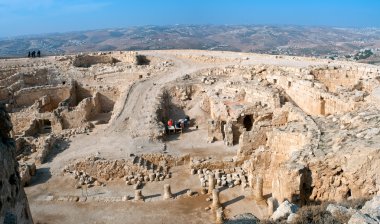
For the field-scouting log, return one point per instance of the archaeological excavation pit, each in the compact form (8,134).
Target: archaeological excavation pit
(180,102)
(92,134)
(86,61)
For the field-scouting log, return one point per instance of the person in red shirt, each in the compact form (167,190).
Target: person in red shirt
(170,122)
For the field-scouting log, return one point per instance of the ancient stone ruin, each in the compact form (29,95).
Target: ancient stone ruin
(14,207)
(190,137)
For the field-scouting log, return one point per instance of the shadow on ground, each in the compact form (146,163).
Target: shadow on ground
(152,196)
(42,175)
(59,146)
(232,201)
(179,193)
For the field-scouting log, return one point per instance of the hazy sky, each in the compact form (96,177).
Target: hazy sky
(19,17)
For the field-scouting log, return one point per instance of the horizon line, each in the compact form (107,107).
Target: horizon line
(172,25)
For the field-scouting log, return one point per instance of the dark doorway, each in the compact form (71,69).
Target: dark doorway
(45,127)
(323,104)
(248,122)
(222,129)
(236,134)
(348,194)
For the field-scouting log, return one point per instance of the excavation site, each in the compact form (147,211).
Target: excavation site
(190,136)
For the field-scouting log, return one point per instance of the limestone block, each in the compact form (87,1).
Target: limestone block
(284,210)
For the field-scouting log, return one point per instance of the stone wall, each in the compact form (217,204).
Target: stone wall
(22,121)
(26,78)
(107,96)
(291,136)
(46,145)
(27,97)
(286,142)
(86,61)
(264,95)
(312,96)
(289,182)
(251,140)
(335,77)
(341,177)
(86,109)
(7,71)
(127,57)
(13,202)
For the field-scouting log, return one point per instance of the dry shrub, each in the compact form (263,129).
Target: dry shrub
(357,203)
(315,214)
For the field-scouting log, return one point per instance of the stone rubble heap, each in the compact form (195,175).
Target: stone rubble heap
(221,177)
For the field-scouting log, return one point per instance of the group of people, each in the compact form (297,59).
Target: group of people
(180,124)
(33,54)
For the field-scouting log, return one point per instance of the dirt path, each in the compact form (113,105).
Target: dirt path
(137,111)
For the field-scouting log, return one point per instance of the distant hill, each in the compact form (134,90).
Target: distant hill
(289,40)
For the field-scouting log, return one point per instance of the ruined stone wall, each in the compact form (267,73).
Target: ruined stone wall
(24,121)
(335,77)
(107,99)
(286,181)
(310,98)
(286,142)
(86,61)
(31,78)
(4,94)
(214,165)
(251,140)
(262,94)
(217,109)
(27,97)
(49,75)
(126,57)
(80,94)
(348,77)
(336,105)
(341,177)
(292,136)
(21,121)
(35,126)
(107,96)
(7,71)
(8,81)
(86,109)
(45,146)
(13,202)
(214,130)
(282,176)
(289,183)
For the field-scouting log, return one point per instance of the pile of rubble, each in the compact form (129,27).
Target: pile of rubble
(95,171)
(222,178)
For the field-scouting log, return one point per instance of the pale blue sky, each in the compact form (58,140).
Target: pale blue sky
(20,17)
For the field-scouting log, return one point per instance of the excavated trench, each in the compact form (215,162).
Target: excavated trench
(277,134)
(86,61)
(179,101)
